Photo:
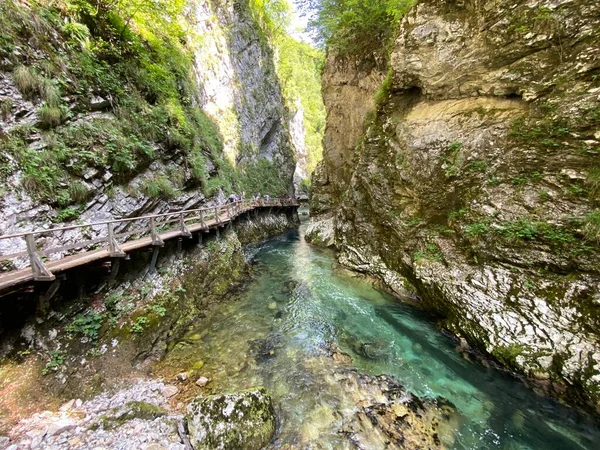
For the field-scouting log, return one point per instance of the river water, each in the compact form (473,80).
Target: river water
(300,302)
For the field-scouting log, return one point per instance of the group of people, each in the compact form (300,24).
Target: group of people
(234,198)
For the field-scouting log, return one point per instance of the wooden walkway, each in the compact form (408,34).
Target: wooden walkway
(116,238)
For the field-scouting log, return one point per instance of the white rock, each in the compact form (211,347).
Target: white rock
(60,426)
(202,381)
(66,406)
(182,376)
(169,391)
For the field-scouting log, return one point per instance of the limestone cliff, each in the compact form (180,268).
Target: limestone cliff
(109,112)
(473,183)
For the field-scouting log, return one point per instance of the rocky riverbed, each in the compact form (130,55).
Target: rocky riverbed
(146,414)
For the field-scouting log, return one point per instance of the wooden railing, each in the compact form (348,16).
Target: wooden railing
(114,238)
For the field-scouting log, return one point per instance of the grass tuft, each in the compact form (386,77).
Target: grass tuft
(51,116)
(6,105)
(28,82)
(50,93)
(158,186)
(591,229)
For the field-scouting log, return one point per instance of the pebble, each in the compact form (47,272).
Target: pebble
(169,391)
(60,426)
(202,381)
(182,376)
(78,424)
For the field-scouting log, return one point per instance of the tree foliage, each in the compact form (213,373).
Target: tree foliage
(298,66)
(354,25)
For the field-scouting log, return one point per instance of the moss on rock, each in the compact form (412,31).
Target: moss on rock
(131,410)
(244,419)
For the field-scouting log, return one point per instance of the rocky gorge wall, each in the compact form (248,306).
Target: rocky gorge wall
(469,178)
(104,119)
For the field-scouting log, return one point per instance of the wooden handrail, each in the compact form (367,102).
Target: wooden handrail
(207,215)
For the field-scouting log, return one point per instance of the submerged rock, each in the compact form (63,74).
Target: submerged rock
(232,421)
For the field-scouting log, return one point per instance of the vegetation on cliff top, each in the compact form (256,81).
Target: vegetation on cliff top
(298,66)
(353,26)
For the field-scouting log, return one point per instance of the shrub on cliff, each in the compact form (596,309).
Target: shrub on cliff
(352,26)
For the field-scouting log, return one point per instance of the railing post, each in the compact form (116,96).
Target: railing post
(156,240)
(114,249)
(40,271)
(202,219)
(182,228)
(217,218)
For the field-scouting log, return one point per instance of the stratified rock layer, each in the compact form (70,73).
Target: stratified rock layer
(475,183)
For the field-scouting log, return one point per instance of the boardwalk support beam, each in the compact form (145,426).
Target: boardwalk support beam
(114,269)
(44,301)
(40,272)
(154,259)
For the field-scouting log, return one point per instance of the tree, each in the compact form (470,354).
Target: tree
(354,25)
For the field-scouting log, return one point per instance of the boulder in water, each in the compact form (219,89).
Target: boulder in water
(244,419)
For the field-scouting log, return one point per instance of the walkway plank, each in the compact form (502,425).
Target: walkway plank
(18,277)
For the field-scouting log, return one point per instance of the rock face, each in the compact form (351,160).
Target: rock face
(348,89)
(232,80)
(239,85)
(264,225)
(475,182)
(242,420)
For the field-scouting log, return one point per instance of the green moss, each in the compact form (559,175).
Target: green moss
(544,131)
(508,354)
(477,166)
(198,162)
(132,410)
(57,359)
(477,229)
(249,425)
(528,230)
(451,158)
(265,177)
(68,214)
(429,252)
(384,90)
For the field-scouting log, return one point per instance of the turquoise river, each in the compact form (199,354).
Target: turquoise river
(301,302)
